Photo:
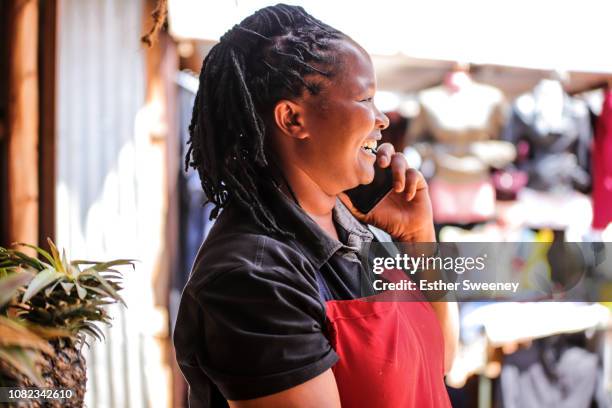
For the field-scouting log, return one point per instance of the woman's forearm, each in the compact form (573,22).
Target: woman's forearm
(448,316)
(446,311)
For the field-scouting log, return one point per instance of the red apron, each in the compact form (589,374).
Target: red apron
(391,354)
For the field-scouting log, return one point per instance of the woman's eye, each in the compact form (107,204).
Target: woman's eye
(370,99)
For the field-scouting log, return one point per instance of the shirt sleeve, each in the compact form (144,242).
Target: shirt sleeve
(262,331)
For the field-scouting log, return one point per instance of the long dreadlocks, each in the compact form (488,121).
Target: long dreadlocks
(270,55)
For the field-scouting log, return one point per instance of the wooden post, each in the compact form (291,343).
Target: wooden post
(47,149)
(22,123)
(161,66)
(4,85)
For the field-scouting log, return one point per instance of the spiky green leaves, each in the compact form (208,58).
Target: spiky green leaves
(51,298)
(63,294)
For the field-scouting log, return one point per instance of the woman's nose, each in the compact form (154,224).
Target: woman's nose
(382,121)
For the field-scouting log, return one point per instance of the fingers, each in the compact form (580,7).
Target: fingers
(413,177)
(384,154)
(399,167)
(405,179)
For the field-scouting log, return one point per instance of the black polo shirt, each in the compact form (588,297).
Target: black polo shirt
(252,316)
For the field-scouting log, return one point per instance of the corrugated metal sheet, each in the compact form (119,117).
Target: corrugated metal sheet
(107,193)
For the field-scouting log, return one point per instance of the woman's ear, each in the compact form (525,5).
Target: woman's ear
(289,118)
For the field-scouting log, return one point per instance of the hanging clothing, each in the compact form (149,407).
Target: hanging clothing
(273,313)
(554,372)
(557,132)
(461,126)
(602,166)
(461,201)
(475,112)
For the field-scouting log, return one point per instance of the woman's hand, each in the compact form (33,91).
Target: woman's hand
(405,213)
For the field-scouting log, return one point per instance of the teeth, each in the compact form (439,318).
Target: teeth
(370,145)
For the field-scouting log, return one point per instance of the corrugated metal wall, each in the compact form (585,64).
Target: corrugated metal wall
(108,188)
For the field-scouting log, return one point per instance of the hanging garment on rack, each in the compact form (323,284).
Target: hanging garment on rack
(461,202)
(602,166)
(557,130)
(556,371)
(461,125)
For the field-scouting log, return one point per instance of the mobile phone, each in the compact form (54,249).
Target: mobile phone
(366,196)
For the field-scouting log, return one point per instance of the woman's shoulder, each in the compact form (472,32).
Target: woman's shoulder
(236,249)
(253,268)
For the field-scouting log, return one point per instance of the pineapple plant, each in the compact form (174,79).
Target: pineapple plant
(63,302)
(20,349)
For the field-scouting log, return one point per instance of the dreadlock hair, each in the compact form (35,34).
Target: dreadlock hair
(273,54)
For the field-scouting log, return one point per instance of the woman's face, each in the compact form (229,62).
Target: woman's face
(340,125)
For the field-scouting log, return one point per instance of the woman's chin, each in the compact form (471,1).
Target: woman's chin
(366,163)
(362,174)
(366,175)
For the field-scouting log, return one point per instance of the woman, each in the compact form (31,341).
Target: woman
(283,123)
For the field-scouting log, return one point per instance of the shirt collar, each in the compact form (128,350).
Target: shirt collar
(317,246)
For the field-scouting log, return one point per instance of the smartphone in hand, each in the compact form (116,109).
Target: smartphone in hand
(366,196)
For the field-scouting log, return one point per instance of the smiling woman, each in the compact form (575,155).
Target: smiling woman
(274,311)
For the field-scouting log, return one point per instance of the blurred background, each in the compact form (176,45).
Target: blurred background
(505,106)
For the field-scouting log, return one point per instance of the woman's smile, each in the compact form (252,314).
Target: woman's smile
(369,147)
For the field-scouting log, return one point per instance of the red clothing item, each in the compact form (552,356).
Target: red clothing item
(391,354)
(466,202)
(602,166)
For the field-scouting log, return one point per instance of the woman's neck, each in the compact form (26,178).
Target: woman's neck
(311,198)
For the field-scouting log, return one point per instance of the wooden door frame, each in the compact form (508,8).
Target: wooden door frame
(27,120)
(47,170)
(4,98)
